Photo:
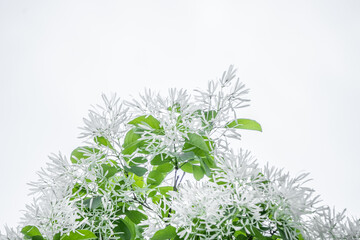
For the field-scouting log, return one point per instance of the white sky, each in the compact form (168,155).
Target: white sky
(299,58)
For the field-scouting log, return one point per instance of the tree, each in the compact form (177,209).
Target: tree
(128,179)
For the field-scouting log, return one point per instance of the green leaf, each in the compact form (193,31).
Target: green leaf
(241,237)
(156,198)
(198,172)
(139,171)
(187,167)
(209,143)
(282,234)
(244,124)
(300,237)
(155,178)
(152,193)
(132,142)
(165,190)
(93,203)
(125,229)
(103,141)
(160,159)
(187,156)
(205,167)
(32,232)
(82,153)
(135,216)
(138,160)
(197,141)
(146,120)
(56,236)
(167,233)
(108,170)
(209,160)
(139,181)
(240,233)
(78,235)
(37,238)
(165,168)
(131,136)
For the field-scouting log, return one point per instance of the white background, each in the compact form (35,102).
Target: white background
(299,58)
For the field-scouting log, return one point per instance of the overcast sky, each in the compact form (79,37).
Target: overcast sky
(299,58)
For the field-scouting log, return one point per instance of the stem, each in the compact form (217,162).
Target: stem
(181,178)
(175,178)
(145,205)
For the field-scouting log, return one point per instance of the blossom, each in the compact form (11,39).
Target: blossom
(154,221)
(237,167)
(53,215)
(100,195)
(176,114)
(108,121)
(199,209)
(330,224)
(224,97)
(56,180)
(11,234)
(52,210)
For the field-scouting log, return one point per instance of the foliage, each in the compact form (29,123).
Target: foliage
(128,180)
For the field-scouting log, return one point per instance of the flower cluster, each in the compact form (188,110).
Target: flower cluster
(162,168)
(53,211)
(200,210)
(329,224)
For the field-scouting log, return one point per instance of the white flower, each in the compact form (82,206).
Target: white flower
(239,174)
(154,221)
(109,121)
(288,201)
(225,96)
(56,179)
(240,167)
(331,225)
(176,114)
(11,234)
(199,207)
(94,186)
(53,211)
(53,215)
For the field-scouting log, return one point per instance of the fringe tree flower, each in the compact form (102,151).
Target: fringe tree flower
(176,116)
(200,210)
(329,224)
(11,234)
(154,222)
(53,216)
(53,212)
(108,121)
